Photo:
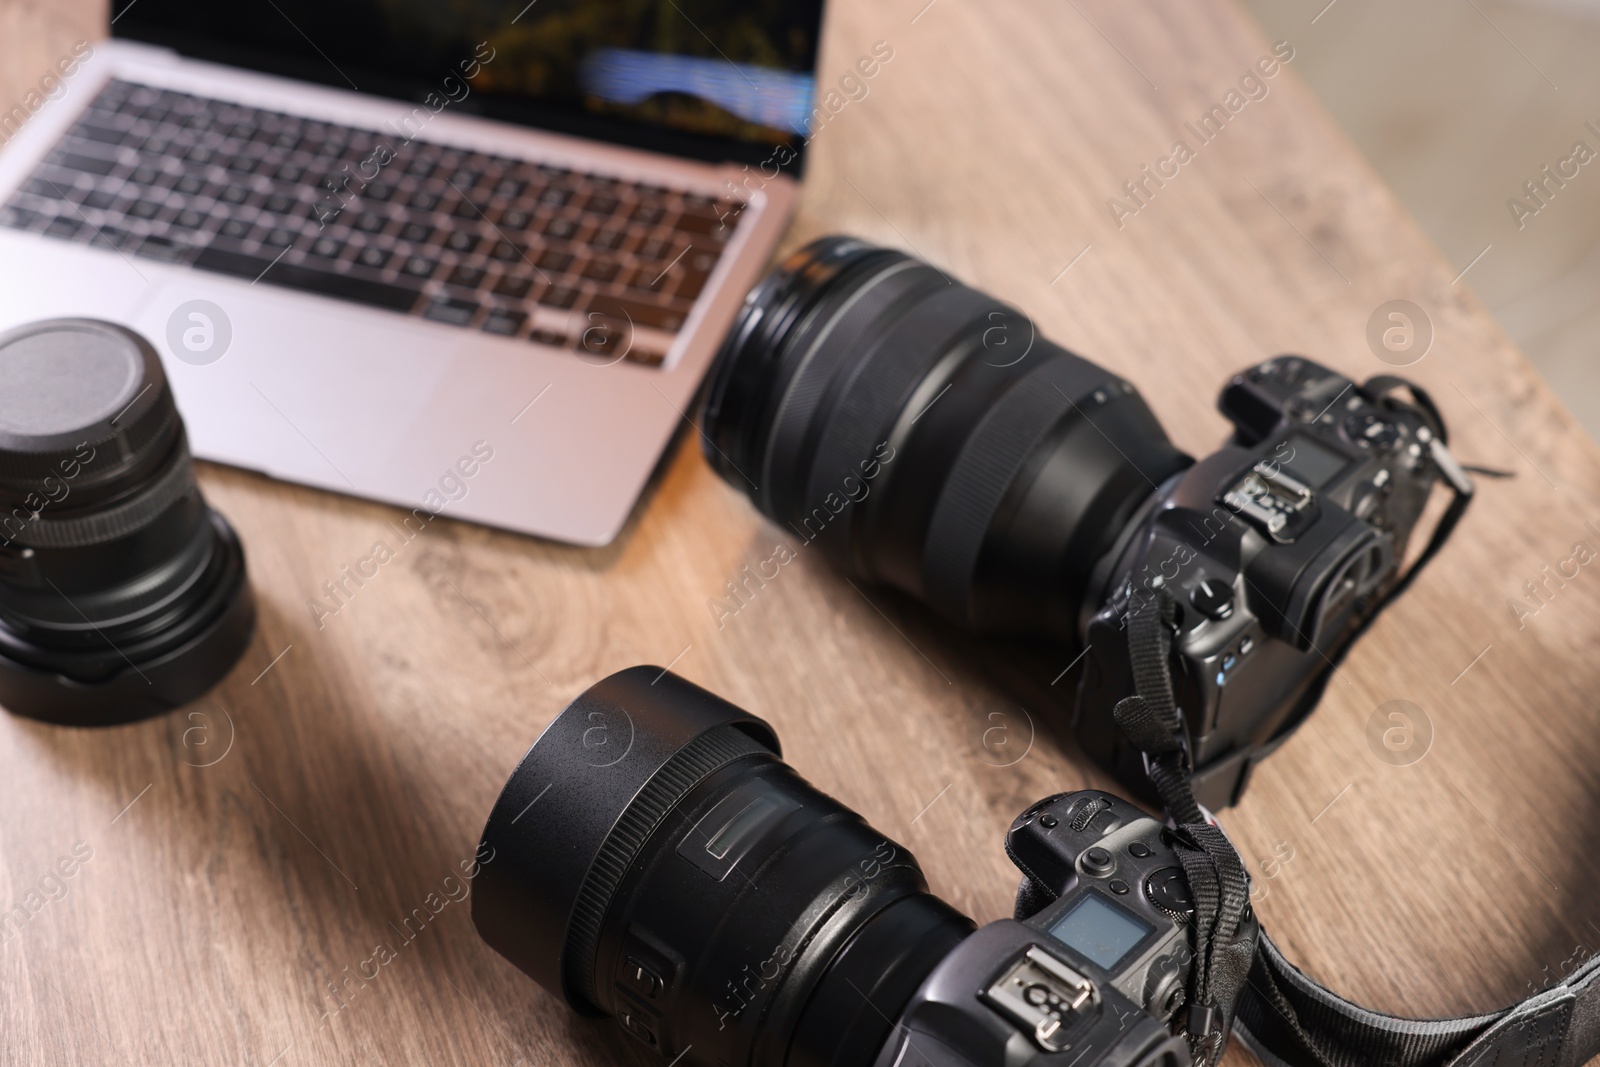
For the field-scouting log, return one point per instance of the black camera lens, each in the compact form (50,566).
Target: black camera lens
(653,859)
(928,438)
(121,593)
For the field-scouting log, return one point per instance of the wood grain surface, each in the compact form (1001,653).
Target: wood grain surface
(246,851)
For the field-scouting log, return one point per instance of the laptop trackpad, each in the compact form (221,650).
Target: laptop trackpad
(304,389)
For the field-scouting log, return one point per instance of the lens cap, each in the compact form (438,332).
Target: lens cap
(122,595)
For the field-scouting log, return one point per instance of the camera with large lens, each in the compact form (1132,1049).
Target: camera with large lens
(657,862)
(926,438)
(122,594)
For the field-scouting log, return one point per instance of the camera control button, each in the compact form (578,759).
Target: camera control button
(1047,821)
(1212,599)
(1139,850)
(1371,431)
(1097,861)
(638,1026)
(1168,890)
(642,979)
(1119,887)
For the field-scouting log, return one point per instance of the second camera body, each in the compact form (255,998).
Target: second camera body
(656,861)
(926,438)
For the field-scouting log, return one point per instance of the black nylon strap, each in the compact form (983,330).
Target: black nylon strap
(1282,1009)
(1284,1017)
(1150,718)
(1224,930)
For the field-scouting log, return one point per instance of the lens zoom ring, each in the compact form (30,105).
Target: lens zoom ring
(861,420)
(99,527)
(996,451)
(826,347)
(686,769)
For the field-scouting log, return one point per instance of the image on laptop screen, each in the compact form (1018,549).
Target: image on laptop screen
(710,79)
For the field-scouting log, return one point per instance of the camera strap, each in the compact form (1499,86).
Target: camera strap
(1224,929)
(1286,1018)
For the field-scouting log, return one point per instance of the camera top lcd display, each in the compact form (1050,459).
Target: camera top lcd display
(1099,931)
(1314,462)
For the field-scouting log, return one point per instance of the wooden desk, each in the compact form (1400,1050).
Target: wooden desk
(221,901)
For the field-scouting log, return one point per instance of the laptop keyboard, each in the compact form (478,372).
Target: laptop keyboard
(599,266)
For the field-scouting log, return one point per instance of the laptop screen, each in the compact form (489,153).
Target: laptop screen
(707,79)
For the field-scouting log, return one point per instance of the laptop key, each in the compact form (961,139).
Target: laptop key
(49,189)
(110,237)
(162,249)
(554,260)
(701,225)
(559,296)
(419,266)
(694,281)
(561,228)
(504,321)
(308,279)
(63,227)
(512,286)
(450,310)
(601,270)
(513,219)
(87,164)
(638,313)
(467,276)
(507,252)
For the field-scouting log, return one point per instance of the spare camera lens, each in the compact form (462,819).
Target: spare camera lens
(121,593)
(653,859)
(926,437)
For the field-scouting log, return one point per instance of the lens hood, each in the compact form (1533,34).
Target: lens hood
(620,756)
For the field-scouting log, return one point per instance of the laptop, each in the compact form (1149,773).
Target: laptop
(471,257)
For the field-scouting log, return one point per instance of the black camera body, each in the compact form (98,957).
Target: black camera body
(1276,549)
(657,862)
(927,439)
(1094,969)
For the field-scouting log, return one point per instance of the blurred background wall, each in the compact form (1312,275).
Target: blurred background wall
(1458,103)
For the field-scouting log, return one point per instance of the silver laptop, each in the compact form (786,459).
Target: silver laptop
(470,257)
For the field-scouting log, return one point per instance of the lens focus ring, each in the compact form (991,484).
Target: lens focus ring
(655,801)
(43,531)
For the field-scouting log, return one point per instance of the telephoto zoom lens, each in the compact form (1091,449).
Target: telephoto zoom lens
(652,859)
(926,437)
(122,594)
